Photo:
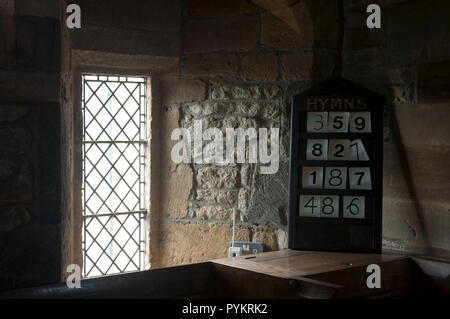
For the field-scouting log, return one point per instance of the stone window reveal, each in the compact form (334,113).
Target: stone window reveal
(114,142)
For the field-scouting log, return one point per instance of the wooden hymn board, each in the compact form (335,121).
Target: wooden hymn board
(336,169)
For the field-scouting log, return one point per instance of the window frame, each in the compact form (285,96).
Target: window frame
(73,238)
(119,143)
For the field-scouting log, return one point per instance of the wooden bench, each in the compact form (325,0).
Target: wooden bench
(280,274)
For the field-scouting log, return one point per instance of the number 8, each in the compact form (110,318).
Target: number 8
(325,205)
(334,177)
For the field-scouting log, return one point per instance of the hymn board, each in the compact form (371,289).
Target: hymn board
(336,171)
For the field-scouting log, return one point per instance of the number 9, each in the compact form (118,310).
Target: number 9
(360,123)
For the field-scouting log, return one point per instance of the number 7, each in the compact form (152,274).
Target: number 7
(361,174)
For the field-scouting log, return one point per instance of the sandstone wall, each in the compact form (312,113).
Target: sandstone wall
(408,61)
(30,241)
(241,62)
(232,63)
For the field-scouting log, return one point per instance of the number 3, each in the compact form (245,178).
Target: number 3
(317,122)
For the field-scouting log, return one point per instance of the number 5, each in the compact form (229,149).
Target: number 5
(338,122)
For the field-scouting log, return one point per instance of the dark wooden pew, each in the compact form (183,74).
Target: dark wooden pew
(284,274)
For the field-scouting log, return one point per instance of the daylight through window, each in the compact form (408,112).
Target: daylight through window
(114,164)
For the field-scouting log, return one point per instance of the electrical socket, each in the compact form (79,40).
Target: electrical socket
(234,251)
(248,248)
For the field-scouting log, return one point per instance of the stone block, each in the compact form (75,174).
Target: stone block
(282,236)
(207,8)
(13,217)
(246,92)
(191,243)
(212,177)
(175,90)
(245,174)
(211,65)
(433,81)
(238,33)
(369,57)
(205,195)
(176,180)
(214,213)
(160,64)
(35,261)
(270,111)
(363,37)
(210,108)
(243,199)
(419,226)
(27,86)
(296,66)
(260,67)
(227,197)
(416,42)
(267,236)
(11,113)
(271,92)
(305,24)
(42,8)
(37,44)
(155,15)
(269,197)
(126,41)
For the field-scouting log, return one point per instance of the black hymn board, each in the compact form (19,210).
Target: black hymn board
(336,172)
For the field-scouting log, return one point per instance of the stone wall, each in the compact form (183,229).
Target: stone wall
(227,63)
(408,61)
(241,62)
(30,244)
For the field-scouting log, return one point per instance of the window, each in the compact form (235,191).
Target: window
(114,144)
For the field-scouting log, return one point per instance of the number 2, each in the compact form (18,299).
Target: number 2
(338,150)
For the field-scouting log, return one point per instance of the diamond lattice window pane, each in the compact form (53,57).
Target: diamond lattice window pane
(114,146)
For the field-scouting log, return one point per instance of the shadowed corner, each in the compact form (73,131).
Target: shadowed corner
(407,174)
(282,9)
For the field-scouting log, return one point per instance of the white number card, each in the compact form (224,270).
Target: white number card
(309,206)
(329,206)
(312,177)
(335,177)
(338,150)
(317,122)
(338,122)
(360,122)
(354,206)
(358,151)
(317,149)
(359,178)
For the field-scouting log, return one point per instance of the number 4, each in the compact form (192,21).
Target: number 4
(309,206)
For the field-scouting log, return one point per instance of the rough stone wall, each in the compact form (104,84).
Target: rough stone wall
(30,245)
(231,63)
(241,61)
(408,61)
